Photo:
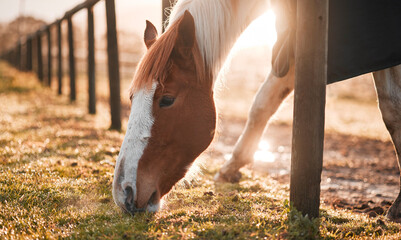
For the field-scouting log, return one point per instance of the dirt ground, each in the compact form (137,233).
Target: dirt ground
(359,173)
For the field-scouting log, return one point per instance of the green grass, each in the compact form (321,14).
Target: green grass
(56,169)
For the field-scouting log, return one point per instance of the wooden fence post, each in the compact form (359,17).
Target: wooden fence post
(34,53)
(12,57)
(309,105)
(49,56)
(39,56)
(71,58)
(91,63)
(23,57)
(18,55)
(29,54)
(59,58)
(8,56)
(113,65)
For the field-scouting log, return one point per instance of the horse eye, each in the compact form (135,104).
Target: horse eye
(166,101)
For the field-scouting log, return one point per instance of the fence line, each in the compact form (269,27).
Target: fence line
(22,56)
(27,54)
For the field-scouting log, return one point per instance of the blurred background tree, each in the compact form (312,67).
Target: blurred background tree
(21,26)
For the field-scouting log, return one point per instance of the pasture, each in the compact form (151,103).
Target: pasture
(57,166)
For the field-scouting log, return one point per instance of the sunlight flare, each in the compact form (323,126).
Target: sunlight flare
(227,156)
(263,154)
(260,32)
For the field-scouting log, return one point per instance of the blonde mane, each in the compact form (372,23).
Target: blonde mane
(218,24)
(212,19)
(156,63)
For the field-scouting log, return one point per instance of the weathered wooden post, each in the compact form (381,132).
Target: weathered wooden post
(71,59)
(29,54)
(8,56)
(166,4)
(309,105)
(49,56)
(23,57)
(39,56)
(18,59)
(91,63)
(113,65)
(59,58)
(12,57)
(34,53)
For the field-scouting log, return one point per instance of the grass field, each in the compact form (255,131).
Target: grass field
(56,170)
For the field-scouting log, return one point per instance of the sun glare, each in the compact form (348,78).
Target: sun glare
(263,154)
(260,32)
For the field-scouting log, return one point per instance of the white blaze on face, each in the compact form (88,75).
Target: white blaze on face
(135,141)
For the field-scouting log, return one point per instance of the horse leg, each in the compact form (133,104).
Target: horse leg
(388,87)
(269,97)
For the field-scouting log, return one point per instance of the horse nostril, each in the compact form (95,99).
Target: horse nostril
(129,198)
(152,198)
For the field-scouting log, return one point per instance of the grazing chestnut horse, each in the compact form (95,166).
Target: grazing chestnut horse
(173,116)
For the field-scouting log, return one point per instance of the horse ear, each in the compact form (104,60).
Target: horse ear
(186,33)
(150,35)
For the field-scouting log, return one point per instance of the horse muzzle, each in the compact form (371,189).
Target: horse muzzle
(131,205)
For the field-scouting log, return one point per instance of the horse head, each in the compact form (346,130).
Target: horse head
(172,119)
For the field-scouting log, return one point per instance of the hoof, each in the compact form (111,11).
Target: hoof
(394,213)
(231,178)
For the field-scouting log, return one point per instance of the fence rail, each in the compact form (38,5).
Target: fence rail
(28,53)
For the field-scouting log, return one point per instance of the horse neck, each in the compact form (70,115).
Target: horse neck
(218,25)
